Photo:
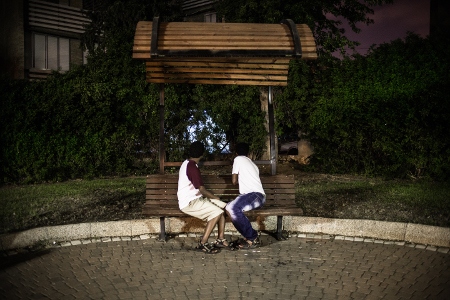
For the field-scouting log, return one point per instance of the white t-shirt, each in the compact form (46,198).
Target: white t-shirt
(248,175)
(189,181)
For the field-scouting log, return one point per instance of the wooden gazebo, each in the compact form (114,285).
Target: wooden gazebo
(221,53)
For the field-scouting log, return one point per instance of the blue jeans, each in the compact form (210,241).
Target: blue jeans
(238,206)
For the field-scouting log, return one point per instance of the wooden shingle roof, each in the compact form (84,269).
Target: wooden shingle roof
(221,53)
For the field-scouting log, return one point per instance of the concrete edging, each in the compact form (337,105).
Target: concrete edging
(395,231)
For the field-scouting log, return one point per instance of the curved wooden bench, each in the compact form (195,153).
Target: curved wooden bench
(161,197)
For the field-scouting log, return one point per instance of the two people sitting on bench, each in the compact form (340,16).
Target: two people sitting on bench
(195,200)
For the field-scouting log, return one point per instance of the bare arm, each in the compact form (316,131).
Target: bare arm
(207,193)
(234,178)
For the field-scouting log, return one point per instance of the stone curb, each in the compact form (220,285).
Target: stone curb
(356,230)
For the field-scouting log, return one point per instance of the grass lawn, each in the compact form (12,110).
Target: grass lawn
(77,201)
(344,197)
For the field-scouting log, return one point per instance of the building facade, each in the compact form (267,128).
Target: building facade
(199,11)
(40,36)
(439,21)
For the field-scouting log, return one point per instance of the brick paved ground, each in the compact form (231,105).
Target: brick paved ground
(297,268)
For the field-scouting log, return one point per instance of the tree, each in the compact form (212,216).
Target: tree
(236,114)
(322,16)
(109,39)
(388,112)
(306,79)
(111,30)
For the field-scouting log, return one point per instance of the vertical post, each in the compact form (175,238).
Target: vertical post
(162,150)
(264,99)
(273,154)
(162,234)
(279,228)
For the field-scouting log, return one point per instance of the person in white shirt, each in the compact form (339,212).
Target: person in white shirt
(195,200)
(252,196)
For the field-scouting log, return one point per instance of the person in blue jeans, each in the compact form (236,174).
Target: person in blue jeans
(251,197)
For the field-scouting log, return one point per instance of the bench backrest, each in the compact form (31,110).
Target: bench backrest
(161,195)
(163,188)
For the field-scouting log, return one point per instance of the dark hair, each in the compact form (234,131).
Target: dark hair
(242,149)
(196,149)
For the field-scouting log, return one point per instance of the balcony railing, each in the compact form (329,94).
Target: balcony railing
(56,17)
(196,6)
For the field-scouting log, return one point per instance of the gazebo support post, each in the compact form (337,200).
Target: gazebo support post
(273,154)
(162,150)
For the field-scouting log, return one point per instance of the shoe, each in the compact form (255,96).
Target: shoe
(221,243)
(207,248)
(248,244)
(235,245)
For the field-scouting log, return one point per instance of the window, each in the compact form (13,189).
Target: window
(86,54)
(51,52)
(210,18)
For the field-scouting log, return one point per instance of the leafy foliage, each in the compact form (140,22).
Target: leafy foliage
(387,113)
(324,17)
(236,112)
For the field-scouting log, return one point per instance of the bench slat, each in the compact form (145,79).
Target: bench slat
(163,190)
(171,204)
(284,211)
(270,193)
(224,196)
(173,178)
(277,199)
(210,186)
(168,211)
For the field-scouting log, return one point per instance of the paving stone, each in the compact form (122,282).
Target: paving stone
(297,268)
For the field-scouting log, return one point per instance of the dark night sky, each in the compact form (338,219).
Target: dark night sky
(393,21)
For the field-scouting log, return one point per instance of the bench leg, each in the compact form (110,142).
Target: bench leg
(279,227)
(162,233)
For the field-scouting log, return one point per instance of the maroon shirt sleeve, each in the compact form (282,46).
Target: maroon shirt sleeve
(194,175)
